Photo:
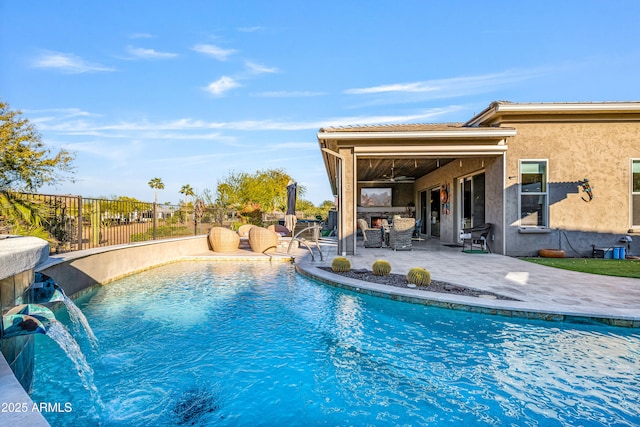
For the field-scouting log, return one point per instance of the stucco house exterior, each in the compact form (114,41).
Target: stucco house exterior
(544,175)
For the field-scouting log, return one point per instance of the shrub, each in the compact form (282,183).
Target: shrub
(381,268)
(419,276)
(340,265)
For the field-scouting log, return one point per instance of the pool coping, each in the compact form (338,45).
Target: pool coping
(507,308)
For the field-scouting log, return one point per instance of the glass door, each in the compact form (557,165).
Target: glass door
(472,201)
(424,212)
(434,212)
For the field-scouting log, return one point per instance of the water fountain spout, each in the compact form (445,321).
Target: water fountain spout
(44,290)
(26,319)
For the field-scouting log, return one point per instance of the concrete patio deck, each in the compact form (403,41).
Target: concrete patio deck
(542,292)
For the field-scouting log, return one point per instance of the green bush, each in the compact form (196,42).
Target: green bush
(419,276)
(340,265)
(381,268)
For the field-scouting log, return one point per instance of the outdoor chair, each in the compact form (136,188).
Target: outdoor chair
(418,229)
(223,240)
(476,236)
(280,230)
(400,234)
(243,230)
(263,240)
(385,231)
(372,236)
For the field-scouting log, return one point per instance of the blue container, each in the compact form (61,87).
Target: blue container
(608,253)
(616,252)
(623,253)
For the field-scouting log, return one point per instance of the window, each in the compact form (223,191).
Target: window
(533,193)
(635,193)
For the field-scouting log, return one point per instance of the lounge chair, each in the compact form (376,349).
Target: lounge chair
(372,236)
(400,234)
(477,235)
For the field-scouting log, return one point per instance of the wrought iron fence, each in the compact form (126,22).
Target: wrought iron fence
(75,222)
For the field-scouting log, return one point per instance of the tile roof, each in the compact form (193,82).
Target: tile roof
(395,127)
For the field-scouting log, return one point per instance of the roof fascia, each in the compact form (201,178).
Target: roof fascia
(493,113)
(419,135)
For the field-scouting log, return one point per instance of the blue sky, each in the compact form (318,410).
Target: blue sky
(192,91)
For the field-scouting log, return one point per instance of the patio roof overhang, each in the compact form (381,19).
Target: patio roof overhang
(411,150)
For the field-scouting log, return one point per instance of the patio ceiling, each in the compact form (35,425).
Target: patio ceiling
(376,169)
(411,150)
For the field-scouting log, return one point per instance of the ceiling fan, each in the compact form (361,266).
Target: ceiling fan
(399,178)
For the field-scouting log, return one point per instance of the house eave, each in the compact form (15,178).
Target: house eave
(418,135)
(497,110)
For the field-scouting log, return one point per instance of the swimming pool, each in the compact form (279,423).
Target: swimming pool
(220,343)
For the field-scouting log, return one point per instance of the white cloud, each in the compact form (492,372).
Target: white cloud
(449,87)
(250,29)
(222,85)
(259,68)
(288,94)
(197,129)
(398,87)
(214,51)
(68,63)
(140,36)
(143,53)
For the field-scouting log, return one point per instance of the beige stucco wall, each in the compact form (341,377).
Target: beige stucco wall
(80,270)
(600,152)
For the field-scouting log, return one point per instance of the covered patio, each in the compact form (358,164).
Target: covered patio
(381,172)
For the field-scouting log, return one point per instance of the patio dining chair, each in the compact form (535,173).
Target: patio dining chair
(476,236)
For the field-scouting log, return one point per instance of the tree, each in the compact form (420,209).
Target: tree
(26,163)
(156,184)
(265,188)
(187,191)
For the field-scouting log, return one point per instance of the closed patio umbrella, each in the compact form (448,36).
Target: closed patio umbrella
(290,216)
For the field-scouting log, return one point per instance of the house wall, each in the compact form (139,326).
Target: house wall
(449,175)
(600,152)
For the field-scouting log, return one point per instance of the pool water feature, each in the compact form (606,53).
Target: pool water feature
(45,290)
(220,343)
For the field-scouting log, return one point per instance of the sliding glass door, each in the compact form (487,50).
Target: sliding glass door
(471,201)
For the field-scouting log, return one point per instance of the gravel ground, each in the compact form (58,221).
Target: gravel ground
(400,281)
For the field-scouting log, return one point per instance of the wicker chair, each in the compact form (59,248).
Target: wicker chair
(223,240)
(400,234)
(372,236)
(263,240)
(243,231)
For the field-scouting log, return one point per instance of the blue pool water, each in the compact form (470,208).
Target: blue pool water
(253,344)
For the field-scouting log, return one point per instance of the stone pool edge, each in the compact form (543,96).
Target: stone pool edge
(505,308)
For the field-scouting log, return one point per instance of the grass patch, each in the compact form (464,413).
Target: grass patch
(606,267)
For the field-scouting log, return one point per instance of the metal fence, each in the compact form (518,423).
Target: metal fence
(75,222)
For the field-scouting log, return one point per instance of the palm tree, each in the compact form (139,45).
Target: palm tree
(156,184)
(20,216)
(187,191)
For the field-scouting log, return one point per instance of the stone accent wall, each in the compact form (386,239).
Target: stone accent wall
(18,351)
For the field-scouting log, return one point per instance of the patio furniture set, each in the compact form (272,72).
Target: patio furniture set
(259,239)
(397,236)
